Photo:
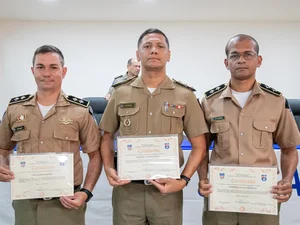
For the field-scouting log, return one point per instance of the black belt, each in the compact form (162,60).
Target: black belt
(145,182)
(76,187)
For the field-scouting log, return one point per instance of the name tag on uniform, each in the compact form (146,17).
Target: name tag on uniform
(218,118)
(127,105)
(18,128)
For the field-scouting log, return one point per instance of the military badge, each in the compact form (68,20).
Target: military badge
(127,122)
(65,121)
(21,118)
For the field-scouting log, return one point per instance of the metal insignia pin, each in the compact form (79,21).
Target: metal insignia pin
(127,122)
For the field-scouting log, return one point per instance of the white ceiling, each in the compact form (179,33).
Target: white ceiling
(148,10)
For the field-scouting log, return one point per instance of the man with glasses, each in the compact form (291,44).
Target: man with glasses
(244,118)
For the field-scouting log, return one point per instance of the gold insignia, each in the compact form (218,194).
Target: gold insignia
(127,122)
(66,121)
(21,118)
(123,82)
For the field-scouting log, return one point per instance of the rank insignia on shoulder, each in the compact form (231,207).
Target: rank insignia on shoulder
(269,89)
(19,99)
(118,77)
(184,85)
(123,82)
(77,101)
(215,90)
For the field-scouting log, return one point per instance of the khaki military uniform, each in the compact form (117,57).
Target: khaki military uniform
(133,110)
(68,125)
(244,136)
(117,79)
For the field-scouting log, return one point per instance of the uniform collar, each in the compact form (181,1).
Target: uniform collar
(60,102)
(166,84)
(255,91)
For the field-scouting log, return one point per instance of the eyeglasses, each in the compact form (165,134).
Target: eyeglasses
(246,56)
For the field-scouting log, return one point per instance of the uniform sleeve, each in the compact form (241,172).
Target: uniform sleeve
(89,134)
(287,133)
(6,133)
(194,122)
(110,119)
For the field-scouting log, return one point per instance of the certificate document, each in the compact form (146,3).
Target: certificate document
(148,157)
(243,189)
(42,175)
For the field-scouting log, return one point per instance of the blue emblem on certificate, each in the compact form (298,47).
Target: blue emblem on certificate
(129,147)
(22,164)
(222,175)
(167,145)
(264,177)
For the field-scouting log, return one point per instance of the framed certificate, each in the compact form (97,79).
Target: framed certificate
(148,157)
(243,189)
(42,175)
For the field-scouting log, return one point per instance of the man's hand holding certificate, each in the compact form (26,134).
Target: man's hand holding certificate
(42,175)
(243,189)
(148,157)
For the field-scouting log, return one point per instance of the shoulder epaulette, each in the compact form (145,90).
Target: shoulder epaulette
(123,82)
(184,85)
(19,99)
(215,90)
(270,90)
(118,77)
(77,101)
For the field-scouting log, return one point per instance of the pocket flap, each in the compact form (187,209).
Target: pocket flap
(173,112)
(128,111)
(66,135)
(264,125)
(219,127)
(21,135)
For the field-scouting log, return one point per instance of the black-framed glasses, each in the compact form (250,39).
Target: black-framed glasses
(246,56)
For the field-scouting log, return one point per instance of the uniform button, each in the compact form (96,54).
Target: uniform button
(67,137)
(242,153)
(149,132)
(242,134)
(218,129)
(42,142)
(127,112)
(173,112)
(43,121)
(150,113)
(266,127)
(151,96)
(242,114)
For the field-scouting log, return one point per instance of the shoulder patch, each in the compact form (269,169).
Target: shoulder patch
(19,99)
(184,85)
(77,101)
(123,82)
(215,90)
(269,89)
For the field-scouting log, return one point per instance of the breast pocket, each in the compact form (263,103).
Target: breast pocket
(221,130)
(63,140)
(23,141)
(129,120)
(262,136)
(172,120)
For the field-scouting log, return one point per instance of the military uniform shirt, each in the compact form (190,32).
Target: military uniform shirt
(245,136)
(170,109)
(65,127)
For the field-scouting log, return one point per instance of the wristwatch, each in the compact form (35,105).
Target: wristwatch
(89,194)
(187,180)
